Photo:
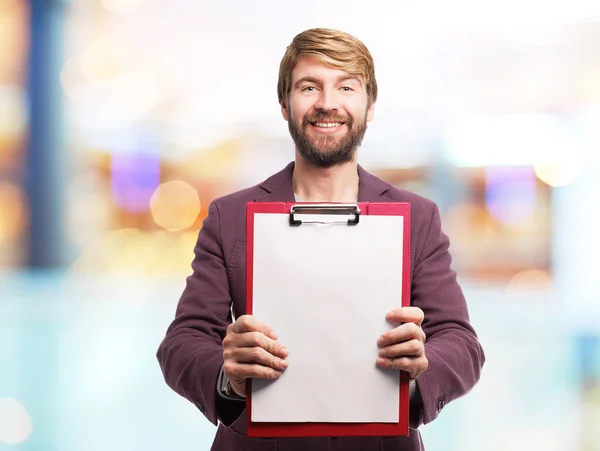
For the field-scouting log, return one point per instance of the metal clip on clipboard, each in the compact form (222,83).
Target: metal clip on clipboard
(324,209)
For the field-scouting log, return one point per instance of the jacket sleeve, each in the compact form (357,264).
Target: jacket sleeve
(191,353)
(452,348)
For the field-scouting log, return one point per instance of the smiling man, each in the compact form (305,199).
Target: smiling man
(327,93)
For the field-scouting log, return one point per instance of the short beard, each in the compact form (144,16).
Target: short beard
(342,153)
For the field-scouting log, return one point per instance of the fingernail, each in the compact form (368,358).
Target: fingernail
(273,335)
(284,363)
(380,361)
(284,351)
(380,341)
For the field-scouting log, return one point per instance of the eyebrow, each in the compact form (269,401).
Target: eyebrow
(314,80)
(349,77)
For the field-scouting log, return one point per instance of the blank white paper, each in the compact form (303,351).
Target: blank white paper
(325,289)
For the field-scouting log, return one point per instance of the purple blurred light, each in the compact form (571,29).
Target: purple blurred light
(511,195)
(134,178)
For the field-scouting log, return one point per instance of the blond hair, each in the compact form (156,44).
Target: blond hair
(333,48)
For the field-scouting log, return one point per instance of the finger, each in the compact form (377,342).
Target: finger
(404,332)
(409,348)
(414,366)
(250,323)
(248,370)
(257,339)
(259,356)
(406,315)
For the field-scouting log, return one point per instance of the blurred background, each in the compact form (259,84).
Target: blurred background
(120,120)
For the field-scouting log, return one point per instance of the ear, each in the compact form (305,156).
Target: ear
(371,112)
(284,110)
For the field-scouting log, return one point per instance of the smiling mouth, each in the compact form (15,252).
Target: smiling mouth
(326,124)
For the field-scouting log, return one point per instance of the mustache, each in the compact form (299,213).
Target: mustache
(324,116)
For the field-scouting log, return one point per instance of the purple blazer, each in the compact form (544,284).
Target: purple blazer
(191,353)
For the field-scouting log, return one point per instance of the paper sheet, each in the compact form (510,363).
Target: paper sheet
(325,289)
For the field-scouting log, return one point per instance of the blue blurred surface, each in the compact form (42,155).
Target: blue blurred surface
(79,355)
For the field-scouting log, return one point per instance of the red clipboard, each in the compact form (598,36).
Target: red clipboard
(314,429)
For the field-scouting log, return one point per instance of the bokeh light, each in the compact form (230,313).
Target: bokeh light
(508,140)
(15,423)
(135,172)
(175,205)
(511,193)
(111,86)
(530,279)
(558,175)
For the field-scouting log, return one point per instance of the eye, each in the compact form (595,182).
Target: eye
(346,88)
(308,89)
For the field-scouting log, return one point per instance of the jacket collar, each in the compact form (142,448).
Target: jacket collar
(279,186)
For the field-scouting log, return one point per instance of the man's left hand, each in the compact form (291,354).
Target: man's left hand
(403,348)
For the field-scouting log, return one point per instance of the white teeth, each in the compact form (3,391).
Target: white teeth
(327,124)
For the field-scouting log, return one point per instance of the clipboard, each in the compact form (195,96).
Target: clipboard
(300,214)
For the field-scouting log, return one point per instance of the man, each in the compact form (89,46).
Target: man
(327,92)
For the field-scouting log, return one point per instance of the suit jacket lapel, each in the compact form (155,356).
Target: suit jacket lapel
(278,187)
(370,188)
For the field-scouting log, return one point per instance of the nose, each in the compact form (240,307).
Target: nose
(327,100)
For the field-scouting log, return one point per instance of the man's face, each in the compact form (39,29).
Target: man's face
(327,113)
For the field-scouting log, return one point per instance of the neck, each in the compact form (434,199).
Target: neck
(335,184)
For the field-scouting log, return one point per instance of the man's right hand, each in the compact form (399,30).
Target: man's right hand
(250,349)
